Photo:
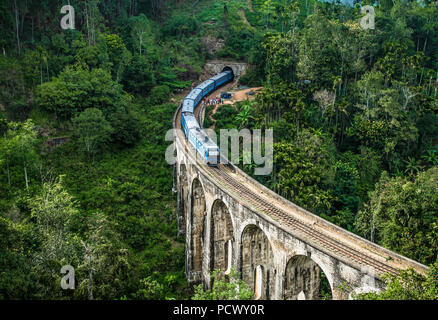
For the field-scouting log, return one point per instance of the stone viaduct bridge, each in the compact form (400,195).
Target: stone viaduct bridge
(281,250)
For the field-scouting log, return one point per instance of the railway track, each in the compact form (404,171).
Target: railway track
(305,229)
(222,175)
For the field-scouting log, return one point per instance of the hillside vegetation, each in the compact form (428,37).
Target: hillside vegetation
(84,112)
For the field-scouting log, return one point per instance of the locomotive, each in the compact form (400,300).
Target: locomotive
(208,150)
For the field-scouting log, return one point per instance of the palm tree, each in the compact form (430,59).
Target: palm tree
(412,166)
(432,156)
(245,115)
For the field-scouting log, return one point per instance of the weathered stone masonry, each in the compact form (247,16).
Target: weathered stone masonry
(211,218)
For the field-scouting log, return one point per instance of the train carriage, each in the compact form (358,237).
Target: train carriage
(188,122)
(222,78)
(195,95)
(188,106)
(206,87)
(204,146)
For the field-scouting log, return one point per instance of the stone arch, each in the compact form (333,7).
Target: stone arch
(198,206)
(256,254)
(221,237)
(304,279)
(183,198)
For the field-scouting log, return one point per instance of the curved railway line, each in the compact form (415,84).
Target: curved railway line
(348,248)
(293,223)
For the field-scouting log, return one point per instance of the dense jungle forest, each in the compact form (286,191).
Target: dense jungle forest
(84,113)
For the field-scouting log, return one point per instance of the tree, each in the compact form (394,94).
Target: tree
(3,125)
(16,278)
(303,171)
(77,89)
(138,77)
(150,289)
(401,215)
(141,33)
(325,99)
(54,212)
(20,147)
(92,130)
(229,287)
(245,116)
(281,56)
(159,95)
(90,57)
(284,97)
(126,125)
(105,264)
(118,54)
(318,59)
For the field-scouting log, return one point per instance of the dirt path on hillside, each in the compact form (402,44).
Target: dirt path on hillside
(217,94)
(249,5)
(243,15)
(240,95)
(242,12)
(244,94)
(213,112)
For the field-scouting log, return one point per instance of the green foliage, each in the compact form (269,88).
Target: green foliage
(245,116)
(53,212)
(150,290)
(159,95)
(106,262)
(280,56)
(225,287)
(90,57)
(126,127)
(141,33)
(179,26)
(116,48)
(92,130)
(401,215)
(16,279)
(302,172)
(408,285)
(344,103)
(3,125)
(284,98)
(19,148)
(138,76)
(346,180)
(77,89)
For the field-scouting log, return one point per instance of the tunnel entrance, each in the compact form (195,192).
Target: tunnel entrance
(229,69)
(305,280)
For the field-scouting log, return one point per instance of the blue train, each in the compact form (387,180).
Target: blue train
(195,135)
